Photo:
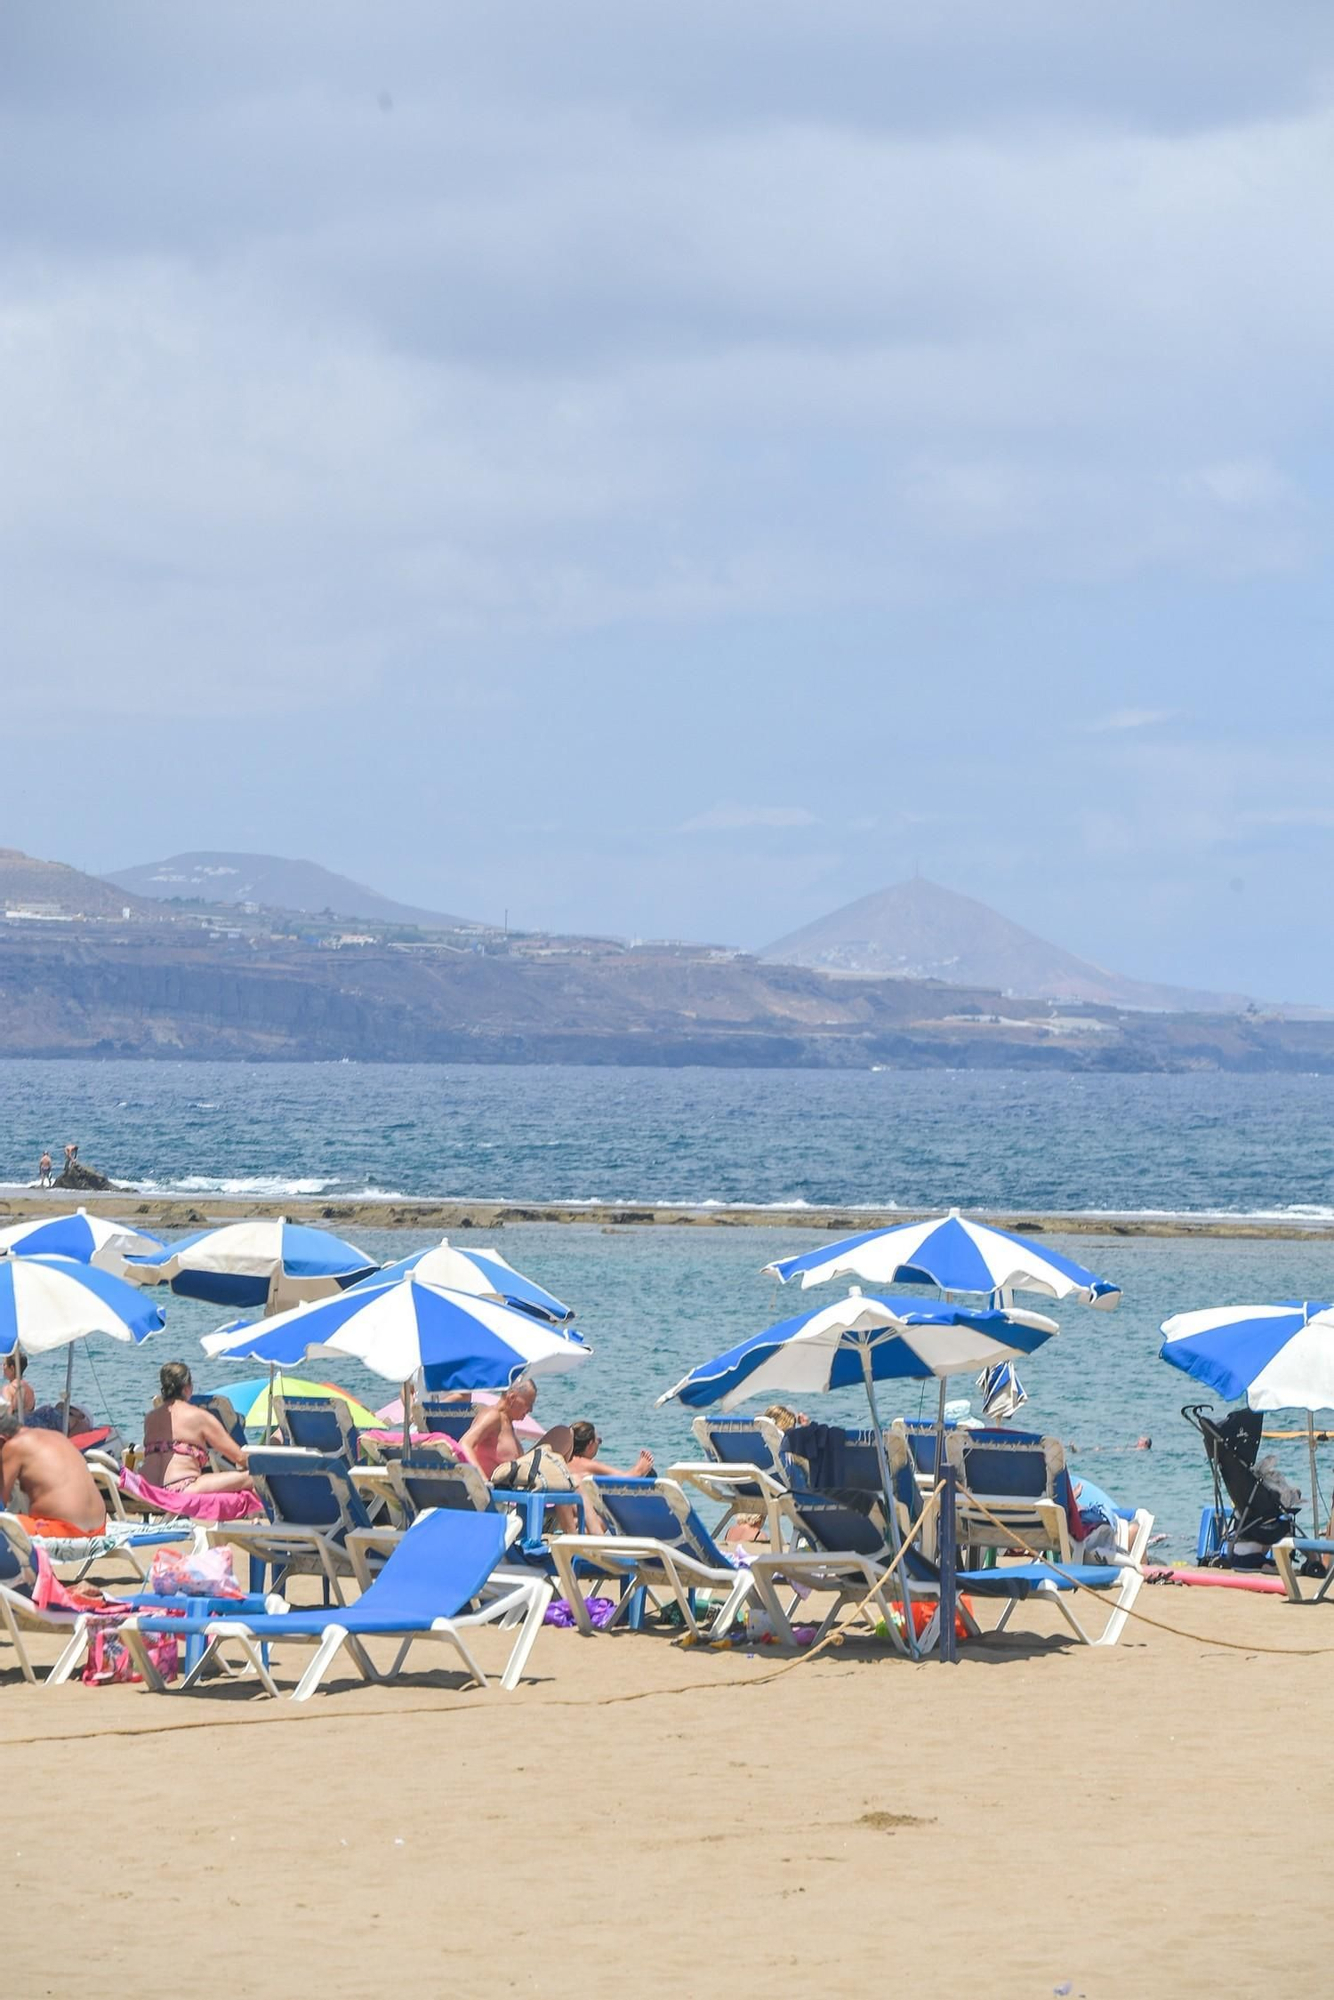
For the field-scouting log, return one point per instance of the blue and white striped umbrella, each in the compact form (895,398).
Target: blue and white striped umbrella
(858,1341)
(482,1274)
(268,1262)
(89,1239)
(406,1325)
(954,1253)
(46,1302)
(1278,1357)
(1002,1392)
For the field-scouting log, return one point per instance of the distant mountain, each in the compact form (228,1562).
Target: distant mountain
(274,884)
(918,930)
(50,888)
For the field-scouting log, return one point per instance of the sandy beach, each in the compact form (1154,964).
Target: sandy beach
(1041,1819)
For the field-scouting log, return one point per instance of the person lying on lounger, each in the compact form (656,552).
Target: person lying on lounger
(585,1464)
(178,1439)
(62,1500)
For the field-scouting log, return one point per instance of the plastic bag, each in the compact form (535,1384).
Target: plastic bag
(193,1573)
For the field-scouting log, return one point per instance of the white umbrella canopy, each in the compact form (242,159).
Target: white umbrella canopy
(90,1239)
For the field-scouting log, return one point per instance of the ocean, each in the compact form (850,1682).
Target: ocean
(655,1301)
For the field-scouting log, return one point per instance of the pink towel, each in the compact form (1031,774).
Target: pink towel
(190,1506)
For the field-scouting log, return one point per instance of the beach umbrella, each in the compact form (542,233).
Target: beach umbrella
(248,1398)
(867,1340)
(89,1239)
(1274,1357)
(956,1254)
(1002,1392)
(50,1302)
(404,1327)
(267,1262)
(483,1274)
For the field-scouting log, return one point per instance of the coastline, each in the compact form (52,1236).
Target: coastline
(194,1211)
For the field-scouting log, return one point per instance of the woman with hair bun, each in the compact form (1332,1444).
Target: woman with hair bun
(178,1438)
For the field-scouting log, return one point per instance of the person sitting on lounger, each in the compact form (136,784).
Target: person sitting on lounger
(16,1367)
(585,1464)
(490,1438)
(178,1439)
(63,1502)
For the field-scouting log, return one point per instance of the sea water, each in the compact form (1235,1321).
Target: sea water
(653,1302)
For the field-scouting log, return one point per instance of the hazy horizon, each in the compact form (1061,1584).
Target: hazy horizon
(678,473)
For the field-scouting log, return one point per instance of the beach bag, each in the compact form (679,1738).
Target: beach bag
(193,1573)
(540,1470)
(109,1658)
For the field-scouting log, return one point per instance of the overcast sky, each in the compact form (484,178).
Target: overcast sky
(674,469)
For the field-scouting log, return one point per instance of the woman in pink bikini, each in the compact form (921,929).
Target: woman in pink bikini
(178,1439)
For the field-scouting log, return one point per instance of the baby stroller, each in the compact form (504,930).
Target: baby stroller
(1250,1513)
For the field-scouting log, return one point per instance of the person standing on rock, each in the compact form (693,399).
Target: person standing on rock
(44,1171)
(71,1155)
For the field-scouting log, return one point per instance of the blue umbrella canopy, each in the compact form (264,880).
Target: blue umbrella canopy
(267,1262)
(46,1302)
(1278,1357)
(482,1274)
(954,1253)
(89,1239)
(860,1340)
(406,1325)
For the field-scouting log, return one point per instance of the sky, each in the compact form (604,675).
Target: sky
(670,471)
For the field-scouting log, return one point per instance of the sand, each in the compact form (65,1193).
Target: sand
(647,1818)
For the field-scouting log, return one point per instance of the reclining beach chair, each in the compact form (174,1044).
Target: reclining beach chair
(445,1418)
(743,1471)
(318,1423)
(1023,1485)
(445,1563)
(657,1543)
(1247,1508)
(315,1501)
(864,1565)
(19,1614)
(1313,1552)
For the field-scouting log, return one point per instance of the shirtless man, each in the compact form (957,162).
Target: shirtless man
(489,1440)
(44,1171)
(62,1498)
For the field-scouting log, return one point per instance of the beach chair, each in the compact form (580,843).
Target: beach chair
(657,1543)
(825,1523)
(445,1563)
(1024,1488)
(20,1615)
(318,1423)
(742,1470)
(315,1501)
(1308,1549)
(445,1418)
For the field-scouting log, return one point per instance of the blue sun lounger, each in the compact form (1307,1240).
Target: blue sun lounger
(658,1543)
(1293,1546)
(848,1555)
(445,1563)
(20,1615)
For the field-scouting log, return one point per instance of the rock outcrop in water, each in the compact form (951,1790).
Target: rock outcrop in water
(83,1180)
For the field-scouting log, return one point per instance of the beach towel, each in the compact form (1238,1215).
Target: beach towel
(189,1506)
(50,1594)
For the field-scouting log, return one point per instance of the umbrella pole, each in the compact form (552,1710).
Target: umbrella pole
(891,1509)
(268,1412)
(69,1391)
(19,1357)
(1315,1487)
(948,1642)
(407,1415)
